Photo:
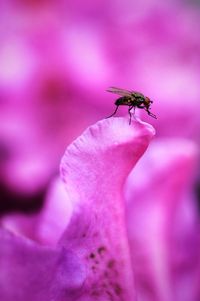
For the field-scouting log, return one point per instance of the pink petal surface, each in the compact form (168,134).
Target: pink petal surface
(94,169)
(162,222)
(55,215)
(35,273)
(92,260)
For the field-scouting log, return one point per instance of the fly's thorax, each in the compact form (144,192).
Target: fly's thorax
(139,99)
(138,95)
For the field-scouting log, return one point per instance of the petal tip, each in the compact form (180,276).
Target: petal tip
(122,123)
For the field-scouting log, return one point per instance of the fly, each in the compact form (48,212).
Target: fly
(131,99)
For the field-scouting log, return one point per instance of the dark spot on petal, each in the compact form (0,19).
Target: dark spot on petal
(117,289)
(94,268)
(111,264)
(95,293)
(92,255)
(101,250)
(110,295)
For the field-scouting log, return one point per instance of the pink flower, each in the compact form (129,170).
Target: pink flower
(91,259)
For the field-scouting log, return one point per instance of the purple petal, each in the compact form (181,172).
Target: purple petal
(35,273)
(92,260)
(55,214)
(162,222)
(94,169)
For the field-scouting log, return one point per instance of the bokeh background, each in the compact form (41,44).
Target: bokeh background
(58,57)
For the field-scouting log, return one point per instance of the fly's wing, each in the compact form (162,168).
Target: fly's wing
(137,94)
(119,91)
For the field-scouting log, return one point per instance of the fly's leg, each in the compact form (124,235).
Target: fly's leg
(141,106)
(129,111)
(151,114)
(113,112)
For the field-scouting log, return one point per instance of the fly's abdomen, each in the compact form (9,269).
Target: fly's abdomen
(124,101)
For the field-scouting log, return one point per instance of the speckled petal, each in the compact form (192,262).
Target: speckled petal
(94,169)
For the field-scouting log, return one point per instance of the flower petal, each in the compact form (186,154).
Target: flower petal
(91,261)
(94,169)
(35,273)
(54,215)
(162,221)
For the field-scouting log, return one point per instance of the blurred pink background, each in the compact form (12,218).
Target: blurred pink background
(56,60)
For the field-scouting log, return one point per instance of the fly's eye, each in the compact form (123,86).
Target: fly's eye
(147,100)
